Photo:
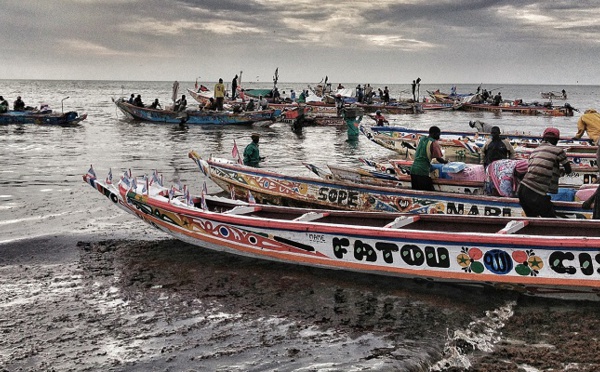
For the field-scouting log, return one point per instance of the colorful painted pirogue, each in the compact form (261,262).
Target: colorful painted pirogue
(460,146)
(473,174)
(195,116)
(546,257)
(540,110)
(275,188)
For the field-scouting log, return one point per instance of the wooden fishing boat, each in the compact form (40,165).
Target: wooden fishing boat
(406,144)
(375,177)
(470,180)
(553,95)
(257,92)
(275,188)
(479,137)
(541,110)
(41,117)
(441,106)
(195,116)
(200,96)
(395,108)
(472,175)
(544,257)
(458,147)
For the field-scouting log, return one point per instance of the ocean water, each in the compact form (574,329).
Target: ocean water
(42,193)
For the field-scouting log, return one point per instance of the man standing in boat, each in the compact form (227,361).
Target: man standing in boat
(219,93)
(234,84)
(252,156)
(542,176)
(428,149)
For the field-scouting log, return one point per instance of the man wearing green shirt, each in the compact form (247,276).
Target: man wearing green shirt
(428,149)
(251,153)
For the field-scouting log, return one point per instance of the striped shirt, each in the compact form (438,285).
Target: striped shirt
(543,171)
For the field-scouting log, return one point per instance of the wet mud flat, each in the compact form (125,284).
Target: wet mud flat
(77,304)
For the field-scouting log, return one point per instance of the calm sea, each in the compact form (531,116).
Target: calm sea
(42,193)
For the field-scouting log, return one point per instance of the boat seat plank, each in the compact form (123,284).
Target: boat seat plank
(243,209)
(311,216)
(513,226)
(402,221)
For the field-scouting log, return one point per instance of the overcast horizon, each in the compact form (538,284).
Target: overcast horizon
(384,42)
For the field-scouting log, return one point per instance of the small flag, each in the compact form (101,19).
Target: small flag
(146,186)
(109,177)
(91,172)
(179,186)
(235,152)
(186,194)
(125,181)
(251,199)
(134,184)
(203,196)
(156,178)
(171,194)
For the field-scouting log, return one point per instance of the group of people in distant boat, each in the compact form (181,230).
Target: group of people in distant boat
(180,104)
(19,105)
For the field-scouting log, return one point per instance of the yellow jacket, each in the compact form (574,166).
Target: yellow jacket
(219,91)
(590,122)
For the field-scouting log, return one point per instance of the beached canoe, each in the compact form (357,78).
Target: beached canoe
(200,117)
(544,257)
(275,188)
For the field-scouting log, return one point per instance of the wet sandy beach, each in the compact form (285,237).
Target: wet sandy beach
(76,303)
(86,287)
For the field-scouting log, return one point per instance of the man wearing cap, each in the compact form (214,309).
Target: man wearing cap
(496,148)
(542,176)
(428,149)
(380,120)
(252,153)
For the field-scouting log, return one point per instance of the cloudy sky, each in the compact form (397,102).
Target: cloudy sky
(381,41)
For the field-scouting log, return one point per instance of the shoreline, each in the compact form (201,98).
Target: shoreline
(137,304)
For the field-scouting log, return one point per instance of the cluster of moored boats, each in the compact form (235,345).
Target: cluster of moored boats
(317,107)
(368,219)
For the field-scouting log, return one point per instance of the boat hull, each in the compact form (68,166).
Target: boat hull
(526,255)
(274,188)
(195,117)
(34,117)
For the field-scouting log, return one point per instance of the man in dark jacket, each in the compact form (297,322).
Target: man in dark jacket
(496,148)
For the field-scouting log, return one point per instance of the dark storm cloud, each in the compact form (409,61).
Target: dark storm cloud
(446,41)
